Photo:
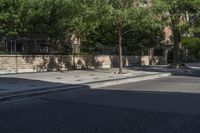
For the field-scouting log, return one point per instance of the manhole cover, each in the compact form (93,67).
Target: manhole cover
(95,78)
(79,80)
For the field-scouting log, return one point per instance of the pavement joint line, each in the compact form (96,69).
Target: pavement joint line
(40,91)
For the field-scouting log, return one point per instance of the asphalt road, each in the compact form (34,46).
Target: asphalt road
(166,105)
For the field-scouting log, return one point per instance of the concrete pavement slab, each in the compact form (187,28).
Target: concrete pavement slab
(18,85)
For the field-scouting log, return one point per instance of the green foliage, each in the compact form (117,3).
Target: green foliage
(86,16)
(9,17)
(195,25)
(97,22)
(178,8)
(19,17)
(140,26)
(193,46)
(177,13)
(48,16)
(191,43)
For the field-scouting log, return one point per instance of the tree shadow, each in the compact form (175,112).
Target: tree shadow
(128,61)
(42,63)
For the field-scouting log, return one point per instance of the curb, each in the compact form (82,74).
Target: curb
(30,94)
(127,80)
(98,84)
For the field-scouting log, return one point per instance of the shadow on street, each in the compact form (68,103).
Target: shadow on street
(103,110)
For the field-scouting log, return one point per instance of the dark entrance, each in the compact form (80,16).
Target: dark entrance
(170,57)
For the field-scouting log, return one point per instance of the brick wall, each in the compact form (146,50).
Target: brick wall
(39,63)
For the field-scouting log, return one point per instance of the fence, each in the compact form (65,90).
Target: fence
(27,55)
(27,46)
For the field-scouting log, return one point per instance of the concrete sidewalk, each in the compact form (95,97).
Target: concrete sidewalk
(25,85)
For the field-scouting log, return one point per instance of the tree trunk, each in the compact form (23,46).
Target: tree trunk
(199,55)
(120,50)
(177,45)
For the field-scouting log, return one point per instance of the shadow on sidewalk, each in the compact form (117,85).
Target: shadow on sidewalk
(10,87)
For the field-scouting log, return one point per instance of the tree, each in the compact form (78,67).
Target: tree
(86,16)
(124,15)
(177,10)
(128,15)
(193,46)
(119,14)
(10,23)
(195,24)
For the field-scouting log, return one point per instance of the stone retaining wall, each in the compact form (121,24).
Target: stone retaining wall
(39,63)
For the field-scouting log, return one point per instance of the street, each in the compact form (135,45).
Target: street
(100,66)
(165,105)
